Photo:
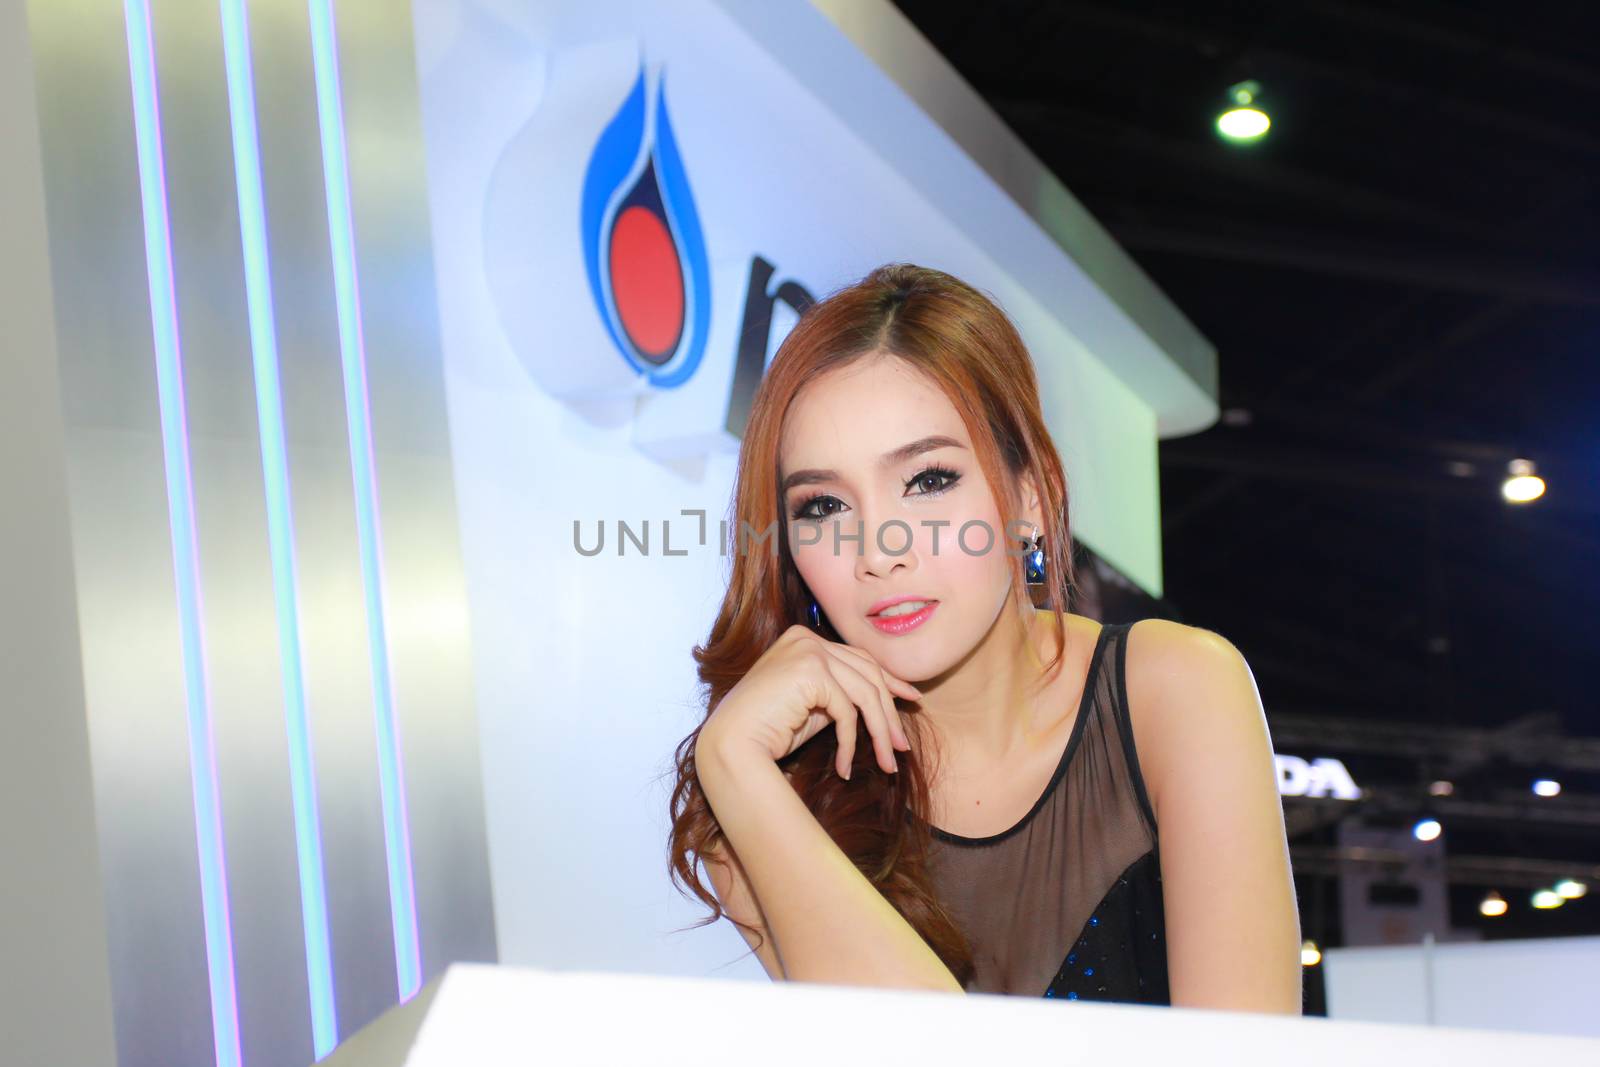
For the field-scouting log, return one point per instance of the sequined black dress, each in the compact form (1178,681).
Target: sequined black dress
(1067,903)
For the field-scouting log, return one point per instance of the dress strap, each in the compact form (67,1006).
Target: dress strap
(1125,721)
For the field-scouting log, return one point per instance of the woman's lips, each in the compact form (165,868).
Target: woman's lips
(903,624)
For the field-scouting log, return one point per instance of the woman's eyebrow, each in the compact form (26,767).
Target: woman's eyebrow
(890,458)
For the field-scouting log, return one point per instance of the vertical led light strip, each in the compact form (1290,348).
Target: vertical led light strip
(180,517)
(353,355)
(280,526)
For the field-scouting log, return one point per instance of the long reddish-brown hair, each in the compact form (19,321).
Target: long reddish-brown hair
(965,344)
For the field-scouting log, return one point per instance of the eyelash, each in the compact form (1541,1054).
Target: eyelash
(944,472)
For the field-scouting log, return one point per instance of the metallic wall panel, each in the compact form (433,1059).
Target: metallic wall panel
(240,625)
(122,546)
(335,649)
(429,638)
(123,541)
(55,984)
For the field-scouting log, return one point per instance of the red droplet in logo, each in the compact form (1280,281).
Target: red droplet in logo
(646,281)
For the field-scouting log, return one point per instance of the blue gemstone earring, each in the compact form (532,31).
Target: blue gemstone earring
(1036,560)
(815,615)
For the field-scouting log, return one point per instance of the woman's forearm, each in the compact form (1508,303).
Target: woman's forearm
(829,923)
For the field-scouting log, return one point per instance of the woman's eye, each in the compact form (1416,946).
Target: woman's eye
(933,480)
(807,509)
(928,482)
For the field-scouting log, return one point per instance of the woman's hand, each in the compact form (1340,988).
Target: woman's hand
(800,684)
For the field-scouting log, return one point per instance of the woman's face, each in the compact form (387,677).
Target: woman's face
(878,479)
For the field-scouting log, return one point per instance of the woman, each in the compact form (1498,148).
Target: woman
(982,815)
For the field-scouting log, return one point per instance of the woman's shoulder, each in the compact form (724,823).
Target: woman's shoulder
(1157,656)
(1180,684)
(1166,651)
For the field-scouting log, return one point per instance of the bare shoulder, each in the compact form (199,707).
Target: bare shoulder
(1162,650)
(1189,690)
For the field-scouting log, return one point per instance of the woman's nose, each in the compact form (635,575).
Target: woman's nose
(887,544)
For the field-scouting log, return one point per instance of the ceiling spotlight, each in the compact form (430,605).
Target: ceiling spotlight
(1546,787)
(1243,120)
(1521,484)
(1493,905)
(1310,954)
(1441,788)
(1571,888)
(1547,898)
(1426,829)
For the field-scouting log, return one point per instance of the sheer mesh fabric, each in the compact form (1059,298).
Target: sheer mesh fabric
(1067,902)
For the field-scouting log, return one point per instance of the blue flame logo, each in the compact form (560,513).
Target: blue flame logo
(642,244)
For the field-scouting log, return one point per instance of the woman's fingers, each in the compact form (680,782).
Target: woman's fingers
(873,702)
(820,691)
(901,687)
(852,683)
(876,672)
(897,685)
(877,677)
(844,721)
(864,667)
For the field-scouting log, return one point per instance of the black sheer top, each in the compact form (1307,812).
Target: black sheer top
(1067,903)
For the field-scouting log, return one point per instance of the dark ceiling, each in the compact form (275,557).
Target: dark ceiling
(1402,281)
